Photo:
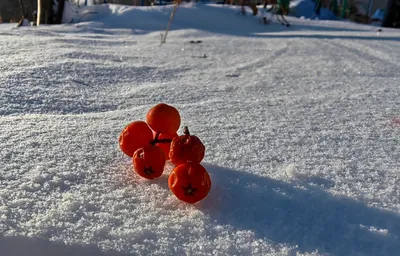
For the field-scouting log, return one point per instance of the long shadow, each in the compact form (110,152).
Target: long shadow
(306,217)
(26,246)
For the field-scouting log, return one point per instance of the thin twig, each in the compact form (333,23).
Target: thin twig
(169,22)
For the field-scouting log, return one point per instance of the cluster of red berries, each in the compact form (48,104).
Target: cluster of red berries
(152,143)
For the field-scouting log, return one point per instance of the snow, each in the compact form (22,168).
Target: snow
(306,8)
(299,124)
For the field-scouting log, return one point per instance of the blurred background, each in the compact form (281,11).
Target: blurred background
(379,12)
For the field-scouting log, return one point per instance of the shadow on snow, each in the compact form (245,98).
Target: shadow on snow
(23,246)
(306,217)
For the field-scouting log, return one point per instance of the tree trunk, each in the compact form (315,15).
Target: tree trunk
(392,14)
(24,14)
(60,12)
(45,12)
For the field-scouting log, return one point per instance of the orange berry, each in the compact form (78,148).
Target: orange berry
(189,182)
(135,135)
(149,162)
(163,118)
(186,148)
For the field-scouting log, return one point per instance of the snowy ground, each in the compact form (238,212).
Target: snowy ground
(299,123)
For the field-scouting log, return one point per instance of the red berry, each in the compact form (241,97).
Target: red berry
(149,161)
(163,118)
(189,182)
(135,135)
(186,148)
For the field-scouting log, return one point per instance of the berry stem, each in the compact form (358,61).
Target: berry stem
(162,141)
(157,135)
(157,140)
(186,130)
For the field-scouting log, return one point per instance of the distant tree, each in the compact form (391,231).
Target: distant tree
(60,11)
(48,14)
(21,4)
(10,10)
(45,12)
(392,14)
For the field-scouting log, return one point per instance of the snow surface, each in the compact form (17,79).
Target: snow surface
(306,9)
(300,126)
